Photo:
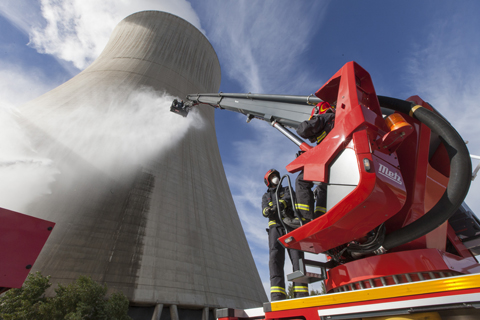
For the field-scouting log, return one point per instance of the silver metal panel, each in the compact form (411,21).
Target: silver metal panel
(335,193)
(164,233)
(344,169)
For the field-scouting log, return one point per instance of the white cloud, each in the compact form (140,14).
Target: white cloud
(23,14)
(259,41)
(78,30)
(19,85)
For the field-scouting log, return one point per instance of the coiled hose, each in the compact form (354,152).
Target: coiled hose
(460,173)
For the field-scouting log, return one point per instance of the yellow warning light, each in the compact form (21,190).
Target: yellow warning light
(396,121)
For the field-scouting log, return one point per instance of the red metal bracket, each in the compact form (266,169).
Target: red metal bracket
(22,238)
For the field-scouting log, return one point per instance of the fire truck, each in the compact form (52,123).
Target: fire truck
(400,240)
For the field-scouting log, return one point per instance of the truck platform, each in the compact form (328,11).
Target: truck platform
(456,297)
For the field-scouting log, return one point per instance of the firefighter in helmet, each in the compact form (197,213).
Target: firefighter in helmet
(276,230)
(315,129)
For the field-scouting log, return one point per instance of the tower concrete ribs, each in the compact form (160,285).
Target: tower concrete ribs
(163,230)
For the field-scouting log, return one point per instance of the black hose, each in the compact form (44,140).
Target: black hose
(460,173)
(292,197)
(371,246)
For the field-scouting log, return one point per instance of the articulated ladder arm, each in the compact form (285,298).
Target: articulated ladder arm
(289,111)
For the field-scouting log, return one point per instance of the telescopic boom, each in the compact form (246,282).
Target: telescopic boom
(289,111)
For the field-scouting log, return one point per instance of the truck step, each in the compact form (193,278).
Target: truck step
(302,276)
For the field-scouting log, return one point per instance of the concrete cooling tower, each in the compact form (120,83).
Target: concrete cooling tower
(149,213)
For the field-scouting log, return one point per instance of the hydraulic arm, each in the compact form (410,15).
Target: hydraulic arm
(289,111)
(278,110)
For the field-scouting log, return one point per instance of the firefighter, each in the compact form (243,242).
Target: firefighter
(181,105)
(315,129)
(275,230)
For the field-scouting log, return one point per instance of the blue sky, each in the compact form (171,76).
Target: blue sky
(425,48)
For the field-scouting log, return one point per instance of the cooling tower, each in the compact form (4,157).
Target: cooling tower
(164,231)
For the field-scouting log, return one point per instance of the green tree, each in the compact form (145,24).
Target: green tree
(83,299)
(290,293)
(315,292)
(319,292)
(23,303)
